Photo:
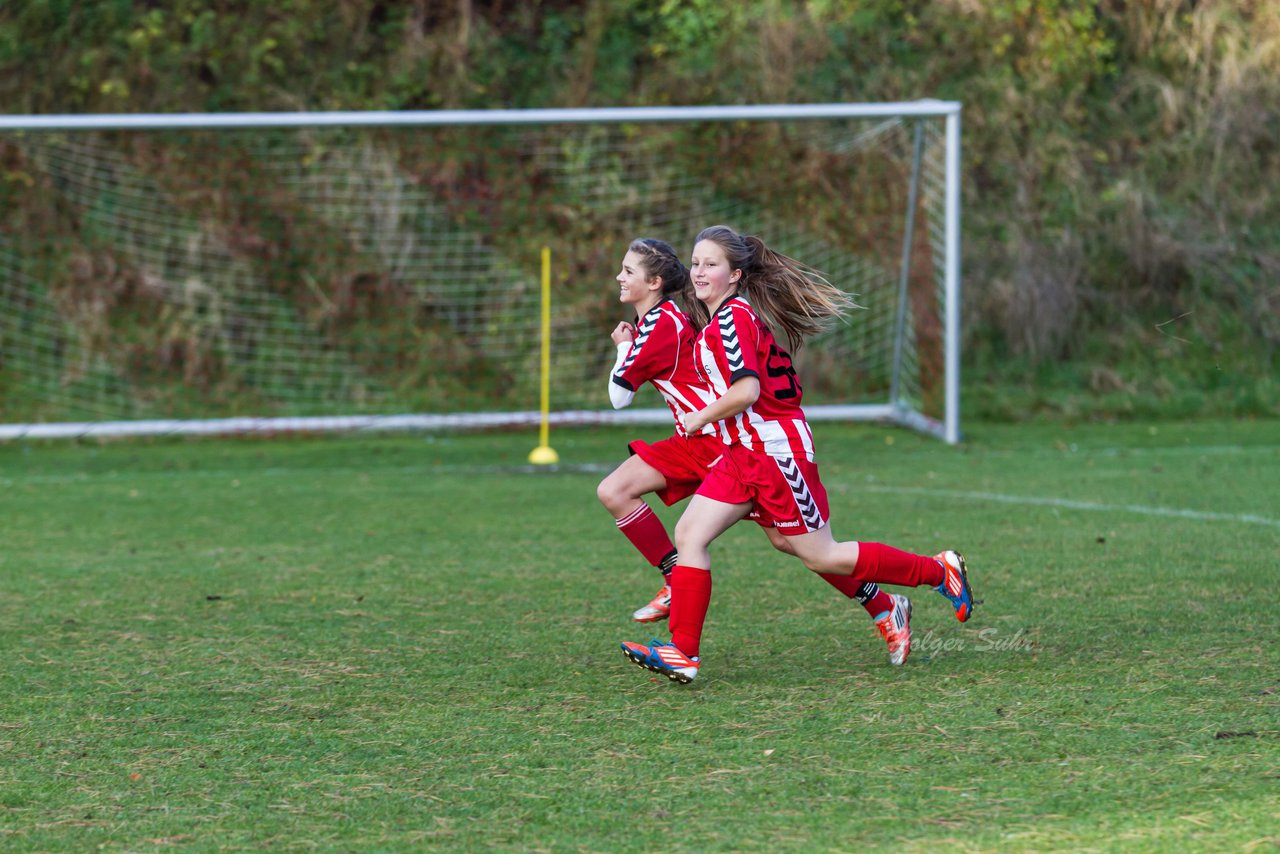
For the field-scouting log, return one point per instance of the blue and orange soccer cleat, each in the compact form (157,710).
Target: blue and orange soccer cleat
(955,584)
(895,628)
(663,658)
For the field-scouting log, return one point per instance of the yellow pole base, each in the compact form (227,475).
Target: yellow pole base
(544,455)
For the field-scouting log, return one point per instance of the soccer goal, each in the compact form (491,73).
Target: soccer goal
(270,272)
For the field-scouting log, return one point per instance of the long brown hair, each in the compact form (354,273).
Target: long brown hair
(793,296)
(659,259)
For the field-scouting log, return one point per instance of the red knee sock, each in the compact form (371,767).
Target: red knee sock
(646,532)
(690,597)
(887,565)
(875,600)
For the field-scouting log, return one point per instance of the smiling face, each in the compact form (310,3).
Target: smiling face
(635,286)
(713,279)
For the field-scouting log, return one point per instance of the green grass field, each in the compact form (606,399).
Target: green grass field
(411,643)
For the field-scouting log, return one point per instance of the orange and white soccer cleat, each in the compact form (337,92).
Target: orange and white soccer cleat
(658,609)
(895,628)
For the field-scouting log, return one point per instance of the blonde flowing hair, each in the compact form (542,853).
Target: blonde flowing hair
(791,295)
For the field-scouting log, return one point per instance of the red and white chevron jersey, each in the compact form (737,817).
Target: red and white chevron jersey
(663,355)
(735,344)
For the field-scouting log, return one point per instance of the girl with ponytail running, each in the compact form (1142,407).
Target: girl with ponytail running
(767,469)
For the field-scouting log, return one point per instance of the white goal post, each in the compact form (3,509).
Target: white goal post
(274,272)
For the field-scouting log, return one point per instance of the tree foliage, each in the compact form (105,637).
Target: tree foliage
(1119,156)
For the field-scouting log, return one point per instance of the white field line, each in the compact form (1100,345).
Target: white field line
(1073,504)
(1072,450)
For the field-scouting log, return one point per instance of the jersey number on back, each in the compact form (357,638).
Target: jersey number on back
(780,366)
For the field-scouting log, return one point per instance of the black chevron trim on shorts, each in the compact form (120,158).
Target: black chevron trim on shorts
(732,349)
(800,490)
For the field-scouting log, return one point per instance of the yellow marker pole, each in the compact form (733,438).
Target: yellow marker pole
(544,454)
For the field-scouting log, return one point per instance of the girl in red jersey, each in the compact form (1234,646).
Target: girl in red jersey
(768,469)
(659,349)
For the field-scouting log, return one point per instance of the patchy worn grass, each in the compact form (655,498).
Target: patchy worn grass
(408,643)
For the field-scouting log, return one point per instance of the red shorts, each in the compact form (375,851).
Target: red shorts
(682,460)
(784,492)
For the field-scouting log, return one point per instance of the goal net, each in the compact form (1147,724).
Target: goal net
(341,271)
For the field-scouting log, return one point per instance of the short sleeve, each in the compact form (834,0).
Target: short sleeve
(741,339)
(653,355)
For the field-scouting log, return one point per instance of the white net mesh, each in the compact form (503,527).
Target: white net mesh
(330,273)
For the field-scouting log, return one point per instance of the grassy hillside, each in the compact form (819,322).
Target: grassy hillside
(1121,236)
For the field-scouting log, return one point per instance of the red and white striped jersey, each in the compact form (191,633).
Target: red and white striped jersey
(662,354)
(735,344)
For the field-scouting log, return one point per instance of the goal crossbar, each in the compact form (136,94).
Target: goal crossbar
(442,118)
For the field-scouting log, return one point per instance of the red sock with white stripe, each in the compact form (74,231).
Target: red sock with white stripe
(887,565)
(690,598)
(646,532)
(875,600)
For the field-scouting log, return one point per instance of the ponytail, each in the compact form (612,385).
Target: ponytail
(791,295)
